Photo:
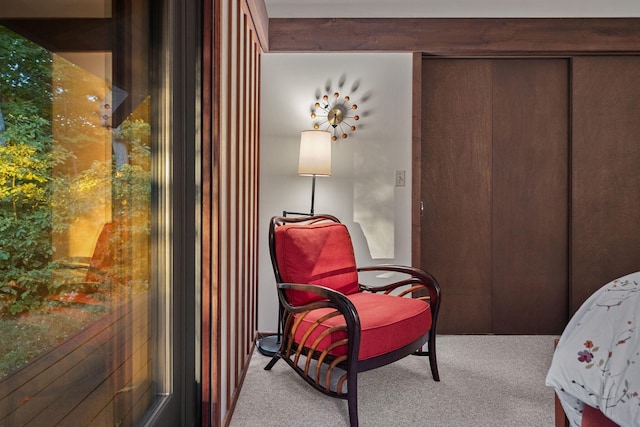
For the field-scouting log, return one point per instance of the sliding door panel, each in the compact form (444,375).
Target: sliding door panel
(606,172)
(530,149)
(456,189)
(494,192)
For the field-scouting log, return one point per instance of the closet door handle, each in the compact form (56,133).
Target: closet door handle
(421,209)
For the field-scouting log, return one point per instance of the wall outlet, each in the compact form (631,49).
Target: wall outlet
(400,179)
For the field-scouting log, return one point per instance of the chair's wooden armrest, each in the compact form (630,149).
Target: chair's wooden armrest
(415,276)
(331,298)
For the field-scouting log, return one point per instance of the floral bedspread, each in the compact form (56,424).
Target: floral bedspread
(597,361)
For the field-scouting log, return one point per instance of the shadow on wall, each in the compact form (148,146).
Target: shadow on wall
(338,108)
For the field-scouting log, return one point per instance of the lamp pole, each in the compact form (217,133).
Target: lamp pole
(313,191)
(315,159)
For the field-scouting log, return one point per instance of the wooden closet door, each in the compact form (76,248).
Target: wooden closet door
(456,189)
(494,189)
(530,195)
(606,172)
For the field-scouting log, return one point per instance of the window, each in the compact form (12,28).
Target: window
(97,285)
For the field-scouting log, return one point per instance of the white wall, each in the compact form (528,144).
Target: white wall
(361,190)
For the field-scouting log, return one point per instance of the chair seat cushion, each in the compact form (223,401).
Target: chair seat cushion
(387,323)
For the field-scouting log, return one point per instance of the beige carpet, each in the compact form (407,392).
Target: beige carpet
(486,380)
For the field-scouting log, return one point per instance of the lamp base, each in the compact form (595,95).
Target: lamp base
(268,346)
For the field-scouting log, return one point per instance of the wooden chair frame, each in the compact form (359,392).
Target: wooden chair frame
(328,367)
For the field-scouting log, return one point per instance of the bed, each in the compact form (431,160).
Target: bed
(595,369)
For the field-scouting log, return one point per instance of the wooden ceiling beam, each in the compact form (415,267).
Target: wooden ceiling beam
(456,36)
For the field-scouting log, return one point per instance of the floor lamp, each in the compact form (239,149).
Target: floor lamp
(314,160)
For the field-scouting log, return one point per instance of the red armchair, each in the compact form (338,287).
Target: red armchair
(336,327)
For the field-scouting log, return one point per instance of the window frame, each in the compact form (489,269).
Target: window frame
(175,81)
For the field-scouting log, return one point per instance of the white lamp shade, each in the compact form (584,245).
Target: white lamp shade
(315,153)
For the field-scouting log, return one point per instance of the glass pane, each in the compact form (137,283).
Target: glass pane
(55,9)
(75,252)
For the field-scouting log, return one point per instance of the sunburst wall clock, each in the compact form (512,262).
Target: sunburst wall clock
(335,113)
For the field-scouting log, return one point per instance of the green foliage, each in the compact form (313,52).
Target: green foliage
(34,168)
(26,162)
(25,74)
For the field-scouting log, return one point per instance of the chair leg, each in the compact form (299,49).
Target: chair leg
(273,361)
(352,400)
(431,352)
(432,357)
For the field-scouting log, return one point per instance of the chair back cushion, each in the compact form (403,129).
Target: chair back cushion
(318,254)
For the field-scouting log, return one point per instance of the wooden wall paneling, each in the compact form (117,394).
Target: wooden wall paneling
(217,231)
(530,194)
(230,183)
(251,219)
(456,36)
(255,137)
(605,173)
(256,180)
(456,189)
(235,243)
(259,21)
(242,188)
(248,336)
(247,193)
(416,159)
(239,215)
(225,201)
(234,220)
(245,176)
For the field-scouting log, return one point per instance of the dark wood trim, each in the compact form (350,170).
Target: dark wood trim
(66,34)
(253,217)
(416,163)
(242,191)
(235,283)
(457,36)
(256,10)
(225,229)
